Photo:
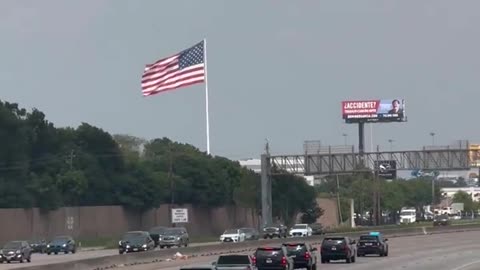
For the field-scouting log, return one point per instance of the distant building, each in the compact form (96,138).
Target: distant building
(255,165)
(474,192)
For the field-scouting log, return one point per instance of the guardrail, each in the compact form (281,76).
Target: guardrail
(113,261)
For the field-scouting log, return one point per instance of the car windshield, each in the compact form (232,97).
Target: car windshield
(13,245)
(158,230)
(232,231)
(133,235)
(368,238)
(173,231)
(137,240)
(299,227)
(60,240)
(233,259)
(273,252)
(294,249)
(332,241)
(407,213)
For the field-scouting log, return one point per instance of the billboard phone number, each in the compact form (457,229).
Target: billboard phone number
(366,116)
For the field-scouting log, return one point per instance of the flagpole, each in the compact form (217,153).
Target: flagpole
(206,94)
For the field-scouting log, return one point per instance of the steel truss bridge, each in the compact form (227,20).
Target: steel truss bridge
(324,164)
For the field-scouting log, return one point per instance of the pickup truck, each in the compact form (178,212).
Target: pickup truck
(234,262)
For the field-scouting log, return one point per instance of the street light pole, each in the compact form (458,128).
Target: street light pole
(433,137)
(391,144)
(345,138)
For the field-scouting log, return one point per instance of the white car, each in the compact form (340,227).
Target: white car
(301,230)
(232,235)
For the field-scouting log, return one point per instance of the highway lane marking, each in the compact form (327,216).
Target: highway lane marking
(466,265)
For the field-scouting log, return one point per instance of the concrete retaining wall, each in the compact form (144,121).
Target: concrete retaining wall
(112,221)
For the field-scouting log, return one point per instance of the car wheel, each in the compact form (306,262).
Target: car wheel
(49,253)
(186,245)
(9,262)
(74,251)
(323,261)
(56,253)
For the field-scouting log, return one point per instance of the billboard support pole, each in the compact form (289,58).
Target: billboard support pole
(361,141)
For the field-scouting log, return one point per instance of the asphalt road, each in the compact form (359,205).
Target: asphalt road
(451,251)
(42,259)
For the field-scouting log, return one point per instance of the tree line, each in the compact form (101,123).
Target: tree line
(49,167)
(394,194)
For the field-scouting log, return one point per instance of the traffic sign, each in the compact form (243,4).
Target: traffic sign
(179,215)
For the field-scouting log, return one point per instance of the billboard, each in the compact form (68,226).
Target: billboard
(474,155)
(386,168)
(379,110)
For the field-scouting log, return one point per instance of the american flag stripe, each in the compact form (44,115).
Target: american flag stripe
(176,71)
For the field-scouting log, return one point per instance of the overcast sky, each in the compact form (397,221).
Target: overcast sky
(276,69)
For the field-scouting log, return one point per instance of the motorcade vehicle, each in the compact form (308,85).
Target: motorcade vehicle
(38,246)
(372,243)
(273,258)
(233,235)
(304,255)
(234,262)
(16,251)
(300,230)
(135,241)
(441,220)
(272,231)
(63,244)
(408,215)
(317,229)
(156,233)
(338,248)
(174,237)
(250,233)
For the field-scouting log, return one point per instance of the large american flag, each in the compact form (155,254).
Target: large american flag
(180,70)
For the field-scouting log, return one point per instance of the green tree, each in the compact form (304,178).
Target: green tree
(468,204)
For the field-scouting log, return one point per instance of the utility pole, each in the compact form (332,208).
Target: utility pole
(266,186)
(433,191)
(433,137)
(171,180)
(345,135)
(71,156)
(338,201)
(391,144)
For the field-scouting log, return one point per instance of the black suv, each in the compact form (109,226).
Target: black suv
(135,241)
(274,231)
(17,251)
(156,233)
(338,248)
(63,244)
(272,258)
(303,254)
(372,244)
(441,220)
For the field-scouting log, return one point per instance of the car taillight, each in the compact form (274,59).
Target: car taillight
(307,255)
(284,260)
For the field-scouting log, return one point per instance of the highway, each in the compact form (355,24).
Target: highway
(450,251)
(43,259)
